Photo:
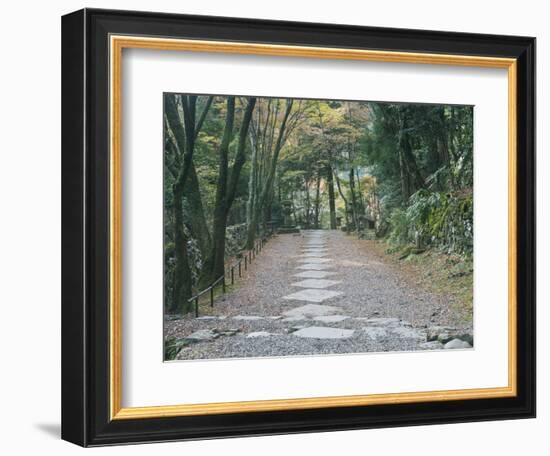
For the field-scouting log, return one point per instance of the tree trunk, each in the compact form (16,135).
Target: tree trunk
(346,205)
(197,219)
(360,193)
(415,178)
(331,202)
(353,198)
(308,204)
(226,188)
(252,181)
(182,271)
(211,266)
(317,200)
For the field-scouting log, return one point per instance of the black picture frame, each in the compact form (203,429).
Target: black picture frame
(85,224)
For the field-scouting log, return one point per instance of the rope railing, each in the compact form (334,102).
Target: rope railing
(244,262)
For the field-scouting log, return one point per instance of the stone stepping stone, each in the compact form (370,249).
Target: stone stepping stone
(258,334)
(211,317)
(247,317)
(296,328)
(310,310)
(202,335)
(322,332)
(315,260)
(314,267)
(314,274)
(228,332)
(404,332)
(316,283)
(312,295)
(306,251)
(291,319)
(381,321)
(432,345)
(313,255)
(331,318)
(457,344)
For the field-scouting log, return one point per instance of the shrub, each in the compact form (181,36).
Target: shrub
(439,219)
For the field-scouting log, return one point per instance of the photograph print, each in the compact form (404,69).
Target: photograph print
(299,227)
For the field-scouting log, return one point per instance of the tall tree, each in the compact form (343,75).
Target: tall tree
(181,119)
(226,187)
(267,187)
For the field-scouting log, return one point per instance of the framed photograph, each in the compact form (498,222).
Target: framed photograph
(278,227)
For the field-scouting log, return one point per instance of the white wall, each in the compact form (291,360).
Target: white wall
(30,225)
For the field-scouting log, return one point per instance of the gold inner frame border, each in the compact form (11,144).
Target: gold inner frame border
(117,44)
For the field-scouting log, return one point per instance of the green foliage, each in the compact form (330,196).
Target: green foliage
(438,219)
(399,231)
(407,168)
(172,347)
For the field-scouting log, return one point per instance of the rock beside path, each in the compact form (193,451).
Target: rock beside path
(433,345)
(202,335)
(445,334)
(457,343)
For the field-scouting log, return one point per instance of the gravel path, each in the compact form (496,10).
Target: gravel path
(319,292)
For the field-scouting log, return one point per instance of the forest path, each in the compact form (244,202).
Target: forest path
(318,292)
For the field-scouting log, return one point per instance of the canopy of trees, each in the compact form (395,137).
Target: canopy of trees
(398,171)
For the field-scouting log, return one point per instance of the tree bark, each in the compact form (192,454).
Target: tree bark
(196,216)
(308,204)
(346,205)
(182,271)
(353,198)
(317,200)
(331,202)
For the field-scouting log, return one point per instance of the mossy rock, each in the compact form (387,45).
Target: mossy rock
(172,347)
